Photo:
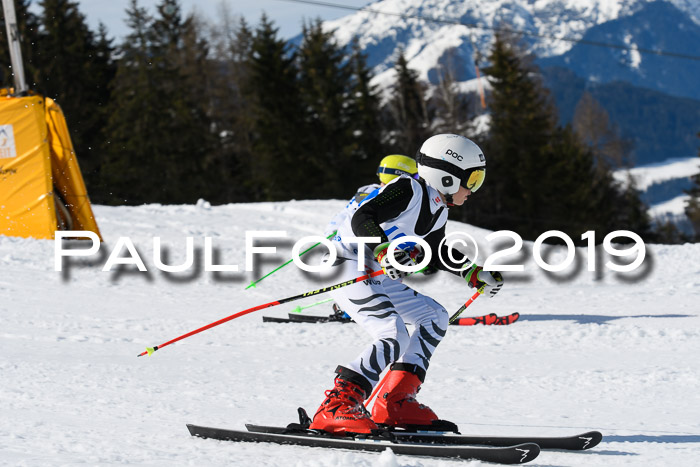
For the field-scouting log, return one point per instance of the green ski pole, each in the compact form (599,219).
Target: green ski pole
(299,308)
(252,284)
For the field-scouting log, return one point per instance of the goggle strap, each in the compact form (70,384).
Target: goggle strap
(390,171)
(461,175)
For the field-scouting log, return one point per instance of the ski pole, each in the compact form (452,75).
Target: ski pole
(454,316)
(150,350)
(464,307)
(299,308)
(252,284)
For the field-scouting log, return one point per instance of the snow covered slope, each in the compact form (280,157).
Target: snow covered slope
(663,188)
(593,350)
(649,175)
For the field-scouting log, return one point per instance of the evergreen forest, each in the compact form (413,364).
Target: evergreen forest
(183,109)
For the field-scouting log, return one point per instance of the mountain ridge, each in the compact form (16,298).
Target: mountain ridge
(658,25)
(637,81)
(427,42)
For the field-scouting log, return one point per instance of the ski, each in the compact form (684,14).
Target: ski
(490,319)
(518,454)
(297,318)
(578,442)
(508,319)
(272,319)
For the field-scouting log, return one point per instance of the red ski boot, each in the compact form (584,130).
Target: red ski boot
(343,410)
(396,404)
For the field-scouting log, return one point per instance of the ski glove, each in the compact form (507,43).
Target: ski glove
(484,281)
(400,256)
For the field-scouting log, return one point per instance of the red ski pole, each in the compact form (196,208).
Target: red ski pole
(464,307)
(150,350)
(452,318)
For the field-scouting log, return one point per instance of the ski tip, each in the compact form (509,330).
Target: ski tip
(250,286)
(590,439)
(527,451)
(509,319)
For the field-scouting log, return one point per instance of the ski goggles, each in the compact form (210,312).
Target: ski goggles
(473,179)
(397,172)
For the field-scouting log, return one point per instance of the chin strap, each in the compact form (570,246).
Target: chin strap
(448,200)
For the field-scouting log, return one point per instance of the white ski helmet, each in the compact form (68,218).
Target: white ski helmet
(447,161)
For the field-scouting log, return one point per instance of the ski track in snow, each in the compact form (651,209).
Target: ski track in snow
(591,351)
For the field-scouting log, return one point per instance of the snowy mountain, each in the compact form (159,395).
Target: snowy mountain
(593,350)
(658,25)
(427,44)
(653,100)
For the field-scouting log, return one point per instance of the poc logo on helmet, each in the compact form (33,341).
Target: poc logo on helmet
(450,152)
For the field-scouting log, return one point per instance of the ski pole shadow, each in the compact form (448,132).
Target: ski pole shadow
(607,452)
(675,439)
(593,319)
(672,439)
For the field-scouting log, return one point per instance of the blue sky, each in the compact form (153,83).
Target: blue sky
(288,16)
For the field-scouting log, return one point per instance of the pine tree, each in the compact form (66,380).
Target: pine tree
(131,144)
(325,87)
(230,110)
(408,113)
(540,176)
(365,120)
(667,232)
(281,163)
(522,125)
(179,60)
(103,69)
(75,68)
(630,212)
(158,132)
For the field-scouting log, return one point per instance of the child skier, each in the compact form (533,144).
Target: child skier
(451,167)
